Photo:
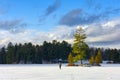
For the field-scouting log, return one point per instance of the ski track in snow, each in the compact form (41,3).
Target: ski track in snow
(52,72)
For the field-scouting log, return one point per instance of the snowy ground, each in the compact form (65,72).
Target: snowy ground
(52,72)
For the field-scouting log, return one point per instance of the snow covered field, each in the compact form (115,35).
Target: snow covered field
(52,72)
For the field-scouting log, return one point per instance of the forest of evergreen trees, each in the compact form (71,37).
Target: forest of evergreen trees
(29,53)
(49,52)
(109,55)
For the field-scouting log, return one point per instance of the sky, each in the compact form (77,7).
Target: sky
(35,21)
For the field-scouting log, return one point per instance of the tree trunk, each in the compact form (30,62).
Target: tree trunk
(81,62)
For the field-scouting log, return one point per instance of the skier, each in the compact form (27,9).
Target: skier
(60,63)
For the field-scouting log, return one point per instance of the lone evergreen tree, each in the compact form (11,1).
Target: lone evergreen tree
(98,58)
(92,60)
(79,46)
(70,60)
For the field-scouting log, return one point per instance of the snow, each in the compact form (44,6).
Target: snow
(52,72)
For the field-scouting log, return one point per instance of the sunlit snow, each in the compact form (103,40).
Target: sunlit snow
(52,72)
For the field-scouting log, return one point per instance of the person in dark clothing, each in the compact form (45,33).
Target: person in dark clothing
(60,63)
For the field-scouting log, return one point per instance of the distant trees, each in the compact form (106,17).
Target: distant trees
(96,59)
(52,51)
(10,53)
(111,55)
(29,53)
(56,50)
(3,55)
(79,46)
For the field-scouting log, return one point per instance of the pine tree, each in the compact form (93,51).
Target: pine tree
(79,46)
(92,60)
(98,58)
(9,54)
(70,60)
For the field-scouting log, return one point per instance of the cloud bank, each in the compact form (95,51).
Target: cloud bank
(104,34)
(37,37)
(81,17)
(13,26)
(101,35)
(78,17)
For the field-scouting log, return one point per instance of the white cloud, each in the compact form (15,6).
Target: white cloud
(37,37)
(112,23)
(101,35)
(60,33)
(104,34)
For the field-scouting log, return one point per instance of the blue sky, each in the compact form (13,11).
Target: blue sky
(39,20)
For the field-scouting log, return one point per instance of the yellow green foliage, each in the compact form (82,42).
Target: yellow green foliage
(79,45)
(92,60)
(70,59)
(98,58)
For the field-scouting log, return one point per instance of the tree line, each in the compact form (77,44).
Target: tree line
(50,52)
(35,54)
(110,55)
